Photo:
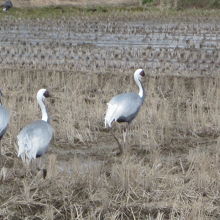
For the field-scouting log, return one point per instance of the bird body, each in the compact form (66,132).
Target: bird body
(7,5)
(124,107)
(4,120)
(34,139)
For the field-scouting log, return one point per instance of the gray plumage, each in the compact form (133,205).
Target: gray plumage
(34,139)
(124,107)
(7,5)
(4,120)
(128,105)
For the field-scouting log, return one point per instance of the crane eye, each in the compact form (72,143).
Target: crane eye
(46,94)
(142,73)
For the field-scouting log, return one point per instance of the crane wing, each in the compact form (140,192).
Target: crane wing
(111,114)
(4,120)
(123,107)
(34,139)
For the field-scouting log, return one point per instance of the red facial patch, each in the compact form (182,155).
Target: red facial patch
(46,94)
(142,73)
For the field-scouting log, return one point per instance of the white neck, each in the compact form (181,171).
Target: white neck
(141,89)
(43,109)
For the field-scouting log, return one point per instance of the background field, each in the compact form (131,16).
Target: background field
(179,4)
(40,3)
(170,168)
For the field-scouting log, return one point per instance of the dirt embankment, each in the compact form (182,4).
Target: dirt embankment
(39,3)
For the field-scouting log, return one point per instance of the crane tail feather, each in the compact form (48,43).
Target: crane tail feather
(24,150)
(109,116)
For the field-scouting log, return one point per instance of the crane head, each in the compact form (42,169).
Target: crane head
(139,74)
(42,94)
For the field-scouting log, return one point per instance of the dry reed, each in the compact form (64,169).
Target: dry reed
(171,166)
(170,170)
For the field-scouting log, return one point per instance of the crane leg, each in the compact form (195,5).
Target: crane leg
(119,144)
(124,135)
(125,130)
(40,167)
(1,150)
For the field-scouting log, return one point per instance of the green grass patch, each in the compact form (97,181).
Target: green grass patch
(147,1)
(60,11)
(41,12)
(68,11)
(200,3)
(107,11)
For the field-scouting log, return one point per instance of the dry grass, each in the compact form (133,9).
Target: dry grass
(170,169)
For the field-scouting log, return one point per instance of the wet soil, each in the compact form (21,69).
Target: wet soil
(98,45)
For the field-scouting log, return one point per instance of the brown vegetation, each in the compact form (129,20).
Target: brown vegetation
(170,168)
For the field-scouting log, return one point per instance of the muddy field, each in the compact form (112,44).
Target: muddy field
(188,48)
(170,167)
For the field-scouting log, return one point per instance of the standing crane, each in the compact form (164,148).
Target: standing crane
(34,139)
(4,118)
(125,107)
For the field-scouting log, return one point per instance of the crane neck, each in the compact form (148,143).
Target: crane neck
(43,109)
(141,88)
